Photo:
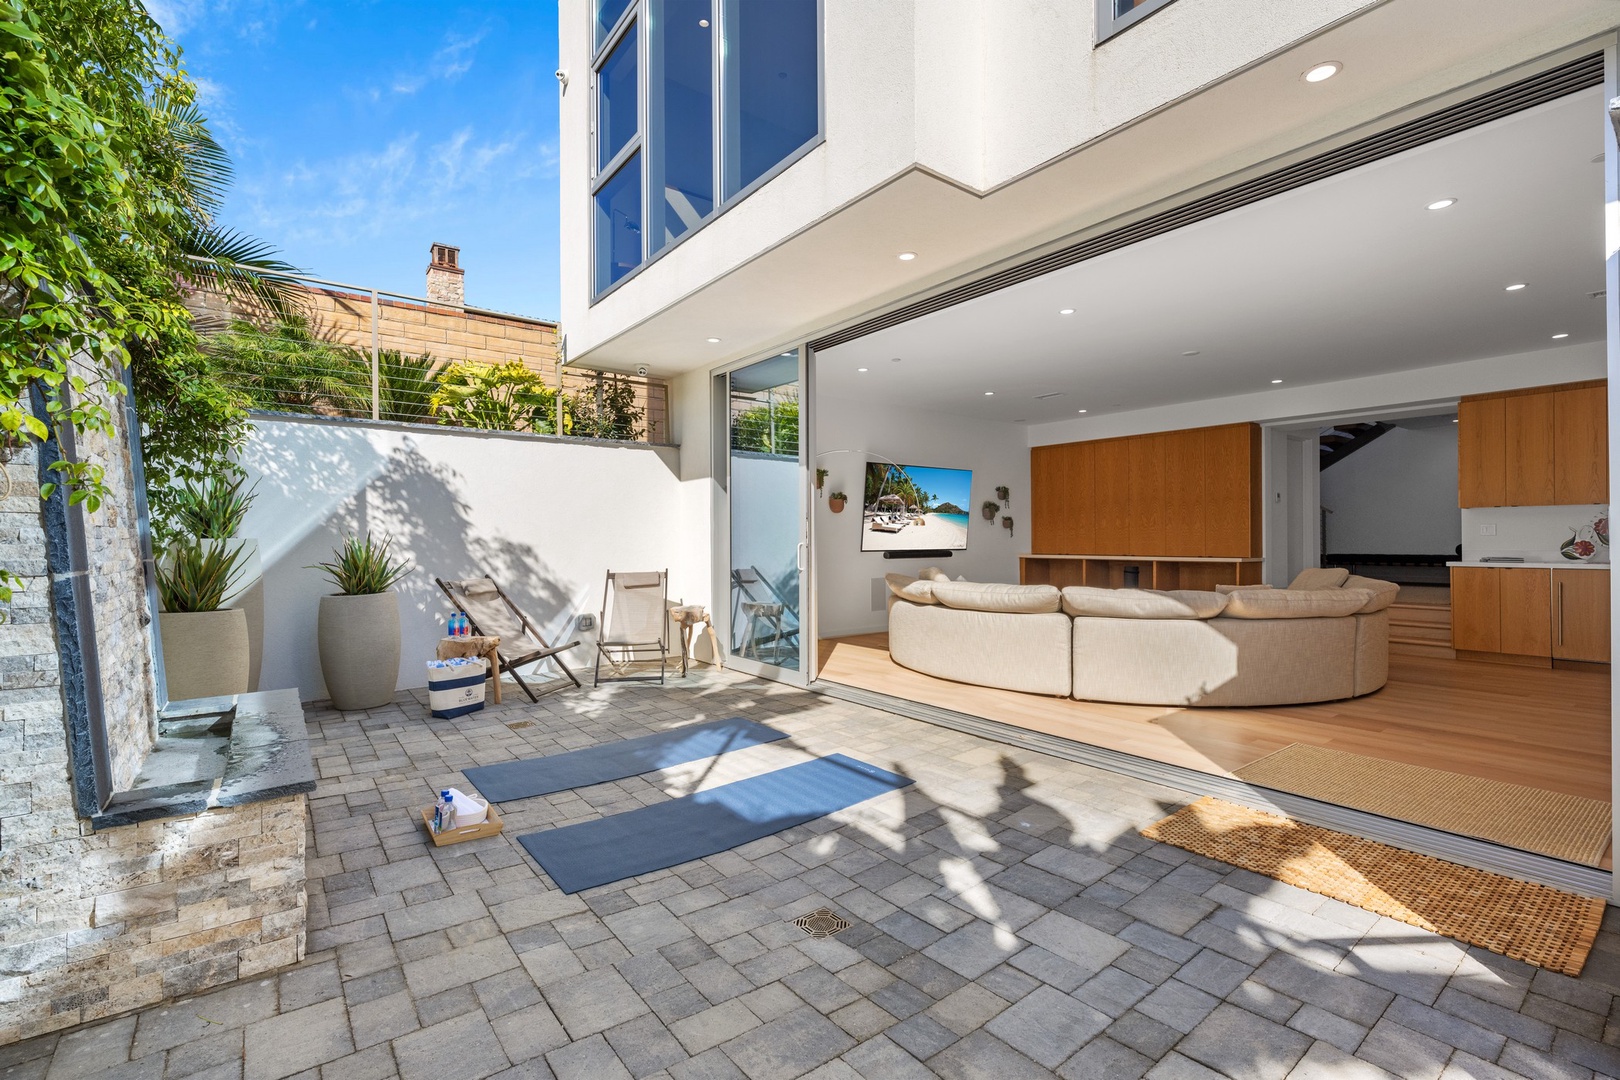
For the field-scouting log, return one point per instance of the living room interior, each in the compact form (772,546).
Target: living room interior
(1403,362)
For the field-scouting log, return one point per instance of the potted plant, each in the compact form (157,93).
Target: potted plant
(205,645)
(358,627)
(836,502)
(989,510)
(213,511)
(821,479)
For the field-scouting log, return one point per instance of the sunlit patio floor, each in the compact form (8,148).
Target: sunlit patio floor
(1006,921)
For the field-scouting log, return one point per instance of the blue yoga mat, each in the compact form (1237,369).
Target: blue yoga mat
(614,761)
(668,834)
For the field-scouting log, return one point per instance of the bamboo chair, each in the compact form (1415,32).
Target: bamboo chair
(635,621)
(491,613)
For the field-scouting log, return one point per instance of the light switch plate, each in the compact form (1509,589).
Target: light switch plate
(1487,530)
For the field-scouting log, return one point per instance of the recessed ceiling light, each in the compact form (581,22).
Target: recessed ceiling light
(1082,412)
(989,393)
(1275,382)
(907,256)
(1559,337)
(703,22)
(1441,204)
(1517,285)
(1190,352)
(1066,311)
(714,341)
(1323,72)
(1453,420)
(860,369)
(894,360)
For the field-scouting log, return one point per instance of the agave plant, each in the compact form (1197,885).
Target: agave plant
(214,509)
(198,576)
(362,567)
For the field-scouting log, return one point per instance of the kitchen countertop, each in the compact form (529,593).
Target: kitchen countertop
(1567,564)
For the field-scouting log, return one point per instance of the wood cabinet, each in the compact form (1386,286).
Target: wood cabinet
(1546,446)
(1580,615)
(1189,494)
(1530,613)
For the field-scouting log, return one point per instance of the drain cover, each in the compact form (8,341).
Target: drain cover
(821,923)
(520,724)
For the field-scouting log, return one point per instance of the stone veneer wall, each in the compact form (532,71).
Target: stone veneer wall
(97,923)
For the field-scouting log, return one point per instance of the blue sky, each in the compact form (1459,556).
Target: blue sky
(947,485)
(363,132)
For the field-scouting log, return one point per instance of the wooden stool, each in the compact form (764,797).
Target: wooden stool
(687,618)
(771,614)
(486,647)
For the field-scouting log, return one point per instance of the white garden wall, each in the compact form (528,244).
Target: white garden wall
(545,517)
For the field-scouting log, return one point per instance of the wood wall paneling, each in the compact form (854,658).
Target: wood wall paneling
(1529,450)
(1482,452)
(1112,520)
(1230,493)
(1048,502)
(1148,510)
(1184,492)
(1526,612)
(1082,496)
(1476,605)
(1581,445)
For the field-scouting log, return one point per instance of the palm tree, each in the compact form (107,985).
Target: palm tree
(405,386)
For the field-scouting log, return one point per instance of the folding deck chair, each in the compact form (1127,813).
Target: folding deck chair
(492,613)
(635,621)
(756,597)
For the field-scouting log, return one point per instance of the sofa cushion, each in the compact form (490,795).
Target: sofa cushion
(1081,602)
(1295,603)
(906,587)
(987,596)
(1328,577)
(933,573)
(1227,590)
(1384,592)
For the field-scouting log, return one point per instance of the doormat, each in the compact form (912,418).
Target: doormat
(1533,923)
(1547,822)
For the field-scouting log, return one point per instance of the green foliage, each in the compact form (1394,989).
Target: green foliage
(606,411)
(499,397)
(838,496)
(289,367)
(362,567)
(198,575)
(405,386)
(213,508)
(893,480)
(112,186)
(770,428)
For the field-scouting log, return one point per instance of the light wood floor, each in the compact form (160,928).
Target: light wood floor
(1542,728)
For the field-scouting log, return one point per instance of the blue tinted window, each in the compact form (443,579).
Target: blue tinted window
(680,163)
(770,90)
(618,224)
(607,17)
(616,99)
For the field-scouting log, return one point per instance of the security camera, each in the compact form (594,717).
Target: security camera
(641,369)
(562,78)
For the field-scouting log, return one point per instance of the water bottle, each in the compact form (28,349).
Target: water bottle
(447,811)
(455,624)
(462,628)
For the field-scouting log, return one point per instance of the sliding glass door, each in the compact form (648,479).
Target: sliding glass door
(765,544)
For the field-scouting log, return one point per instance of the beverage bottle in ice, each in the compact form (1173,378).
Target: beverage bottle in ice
(448,811)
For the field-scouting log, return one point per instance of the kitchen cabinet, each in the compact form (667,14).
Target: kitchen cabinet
(1525,614)
(1546,446)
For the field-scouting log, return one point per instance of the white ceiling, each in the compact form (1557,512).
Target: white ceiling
(1348,277)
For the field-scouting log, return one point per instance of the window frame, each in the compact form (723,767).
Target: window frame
(1109,24)
(636,12)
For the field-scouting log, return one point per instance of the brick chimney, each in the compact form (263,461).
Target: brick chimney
(444,284)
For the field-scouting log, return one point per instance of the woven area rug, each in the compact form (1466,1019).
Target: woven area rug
(1533,923)
(1563,826)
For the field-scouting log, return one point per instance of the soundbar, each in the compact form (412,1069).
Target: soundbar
(940,554)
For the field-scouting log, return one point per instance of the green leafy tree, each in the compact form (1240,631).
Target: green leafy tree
(769,428)
(290,367)
(498,397)
(606,411)
(112,186)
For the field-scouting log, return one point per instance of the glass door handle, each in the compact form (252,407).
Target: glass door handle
(799,556)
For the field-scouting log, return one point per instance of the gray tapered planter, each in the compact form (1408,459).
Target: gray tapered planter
(205,653)
(359,643)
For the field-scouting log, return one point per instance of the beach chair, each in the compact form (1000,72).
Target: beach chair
(635,622)
(762,606)
(491,613)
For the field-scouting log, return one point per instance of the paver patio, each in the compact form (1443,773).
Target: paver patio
(1007,922)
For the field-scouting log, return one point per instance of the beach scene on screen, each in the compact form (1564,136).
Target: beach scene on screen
(915,508)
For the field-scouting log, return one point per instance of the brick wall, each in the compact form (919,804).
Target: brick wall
(96,923)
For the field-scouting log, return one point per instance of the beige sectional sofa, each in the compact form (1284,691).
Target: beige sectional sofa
(1323,638)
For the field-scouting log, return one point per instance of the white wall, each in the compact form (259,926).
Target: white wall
(846,433)
(546,518)
(1530,532)
(1397,494)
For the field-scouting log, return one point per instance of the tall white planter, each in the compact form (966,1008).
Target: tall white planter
(205,653)
(358,638)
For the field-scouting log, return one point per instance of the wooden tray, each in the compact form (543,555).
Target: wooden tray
(488,827)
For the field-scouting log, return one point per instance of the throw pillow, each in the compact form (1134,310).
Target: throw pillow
(1328,577)
(1384,592)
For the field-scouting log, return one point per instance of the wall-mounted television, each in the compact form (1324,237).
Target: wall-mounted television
(915,508)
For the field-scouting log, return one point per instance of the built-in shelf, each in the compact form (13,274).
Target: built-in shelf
(1155,572)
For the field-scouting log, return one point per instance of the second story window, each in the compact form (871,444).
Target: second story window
(697,102)
(1116,15)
